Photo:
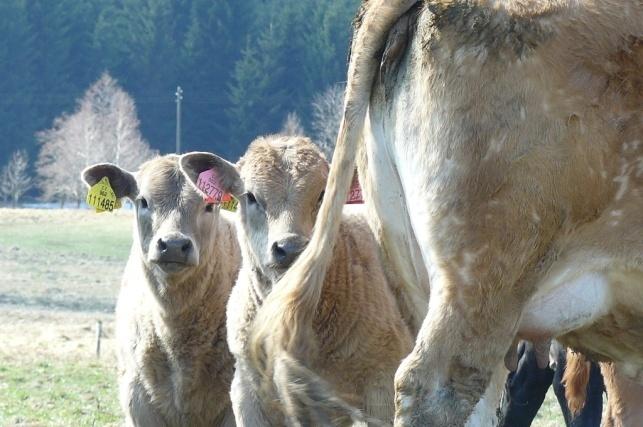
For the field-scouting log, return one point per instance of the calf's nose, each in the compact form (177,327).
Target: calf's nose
(174,249)
(285,250)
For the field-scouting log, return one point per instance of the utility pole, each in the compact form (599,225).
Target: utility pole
(179,98)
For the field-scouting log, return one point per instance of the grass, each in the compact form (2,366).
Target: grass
(105,234)
(61,271)
(549,414)
(57,393)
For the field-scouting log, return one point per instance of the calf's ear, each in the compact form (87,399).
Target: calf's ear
(195,163)
(122,182)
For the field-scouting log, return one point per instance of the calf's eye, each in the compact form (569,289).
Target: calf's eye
(251,198)
(209,207)
(143,203)
(321,197)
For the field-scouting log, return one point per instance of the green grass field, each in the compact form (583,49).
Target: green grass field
(61,271)
(70,233)
(58,393)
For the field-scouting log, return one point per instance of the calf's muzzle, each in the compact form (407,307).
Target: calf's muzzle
(173,252)
(285,250)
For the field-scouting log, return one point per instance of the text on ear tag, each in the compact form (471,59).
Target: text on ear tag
(101,196)
(355,192)
(210,184)
(229,202)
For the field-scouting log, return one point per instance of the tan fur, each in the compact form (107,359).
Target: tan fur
(511,130)
(575,380)
(350,334)
(174,365)
(624,399)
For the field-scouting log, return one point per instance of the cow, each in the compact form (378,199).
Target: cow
(174,366)
(352,332)
(499,142)
(624,396)
(526,388)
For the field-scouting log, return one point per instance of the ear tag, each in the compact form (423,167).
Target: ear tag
(229,202)
(101,197)
(210,184)
(355,193)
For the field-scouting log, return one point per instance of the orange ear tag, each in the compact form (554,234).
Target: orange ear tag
(355,193)
(210,184)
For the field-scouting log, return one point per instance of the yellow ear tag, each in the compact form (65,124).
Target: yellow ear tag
(229,202)
(101,196)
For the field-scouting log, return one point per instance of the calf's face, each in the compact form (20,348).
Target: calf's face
(174,225)
(279,183)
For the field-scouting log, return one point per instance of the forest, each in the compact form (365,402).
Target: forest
(242,65)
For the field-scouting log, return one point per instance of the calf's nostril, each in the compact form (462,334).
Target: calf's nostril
(161,245)
(186,246)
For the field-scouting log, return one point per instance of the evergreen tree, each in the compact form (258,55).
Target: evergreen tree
(17,105)
(213,44)
(259,96)
(243,65)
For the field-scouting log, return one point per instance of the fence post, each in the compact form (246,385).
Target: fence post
(99,334)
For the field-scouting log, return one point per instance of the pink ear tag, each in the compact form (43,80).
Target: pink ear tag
(210,184)
(355,192)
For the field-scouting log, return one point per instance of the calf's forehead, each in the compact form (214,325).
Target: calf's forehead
(283,168)
(161,181)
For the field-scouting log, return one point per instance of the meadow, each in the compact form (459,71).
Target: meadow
(60,275)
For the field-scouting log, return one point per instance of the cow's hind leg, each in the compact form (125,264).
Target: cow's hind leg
(624,398)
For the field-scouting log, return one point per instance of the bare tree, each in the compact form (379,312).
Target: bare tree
(292,125)
(15,178)
(327,115)
(129,148)
(104,128)
(67,148)
(3,186)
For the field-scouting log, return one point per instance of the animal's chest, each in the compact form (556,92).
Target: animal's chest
(173,381)
(185,387)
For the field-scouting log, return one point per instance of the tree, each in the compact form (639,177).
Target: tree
(292,125)
(15,179)
(259,96)
(214,41)
(327,115)
(104,128)
(114,113)
(242,64)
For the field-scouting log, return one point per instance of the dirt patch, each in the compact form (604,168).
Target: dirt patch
(41,334)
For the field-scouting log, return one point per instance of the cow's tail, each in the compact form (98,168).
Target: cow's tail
(575,380)
(284,324)
(307,399)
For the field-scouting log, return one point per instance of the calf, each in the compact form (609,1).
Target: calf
(349,329)
(174,366)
